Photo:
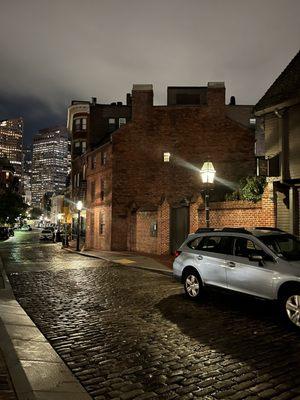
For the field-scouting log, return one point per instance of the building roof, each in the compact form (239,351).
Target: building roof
(285,87)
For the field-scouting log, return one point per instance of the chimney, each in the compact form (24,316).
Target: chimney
(232,101)
(142,100)
(216,94)
(94,101)
(128,99)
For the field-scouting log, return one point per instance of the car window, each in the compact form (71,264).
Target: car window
(245,247)
(217,244)
(193,244)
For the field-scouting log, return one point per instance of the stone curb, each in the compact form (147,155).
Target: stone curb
(36,370)
(158,271)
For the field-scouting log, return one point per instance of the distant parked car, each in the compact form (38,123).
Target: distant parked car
(263,262)
(26,228)
(47,234)
(4,234)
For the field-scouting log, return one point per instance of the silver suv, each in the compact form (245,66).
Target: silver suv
(263,262)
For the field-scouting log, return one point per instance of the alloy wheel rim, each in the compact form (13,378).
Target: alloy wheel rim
(192,285)
(292,307)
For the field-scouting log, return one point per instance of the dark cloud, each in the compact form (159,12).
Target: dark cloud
(56,50)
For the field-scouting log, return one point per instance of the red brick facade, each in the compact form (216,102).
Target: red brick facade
(137,179)
(222,214)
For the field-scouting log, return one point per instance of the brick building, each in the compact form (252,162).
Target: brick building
(90,125)
(151,164)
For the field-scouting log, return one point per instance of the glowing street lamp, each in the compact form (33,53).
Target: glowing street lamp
(79,206)
(207,173)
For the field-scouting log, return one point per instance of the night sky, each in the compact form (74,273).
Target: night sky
(58,50)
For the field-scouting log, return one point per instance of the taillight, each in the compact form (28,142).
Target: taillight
(177,253)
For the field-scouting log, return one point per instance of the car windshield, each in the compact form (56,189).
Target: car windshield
(286,246)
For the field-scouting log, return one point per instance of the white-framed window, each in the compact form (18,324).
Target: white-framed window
(84,172)
(83,146)
(122,121)
(167,156)
(79,124)
(252,121)
(77,144)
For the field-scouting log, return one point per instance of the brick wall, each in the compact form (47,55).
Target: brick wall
(144,241)
(98,207)
(241,213)
(190,134)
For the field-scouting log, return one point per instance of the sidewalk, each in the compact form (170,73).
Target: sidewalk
(28,363)
(151,262)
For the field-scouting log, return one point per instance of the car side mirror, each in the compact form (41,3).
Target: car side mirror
(256,257)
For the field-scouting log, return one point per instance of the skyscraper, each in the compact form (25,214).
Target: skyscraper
(49,162)
(11,140)
(26,176)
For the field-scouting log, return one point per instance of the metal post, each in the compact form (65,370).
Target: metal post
(78,231)
(207,208)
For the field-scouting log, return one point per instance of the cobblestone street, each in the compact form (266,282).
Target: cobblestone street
(131,334)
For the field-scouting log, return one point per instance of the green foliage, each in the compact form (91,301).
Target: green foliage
(250,188)
(11,206)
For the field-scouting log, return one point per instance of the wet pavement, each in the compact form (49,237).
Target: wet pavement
(132,334)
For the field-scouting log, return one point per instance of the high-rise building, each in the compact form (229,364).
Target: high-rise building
(11,140)
(26,176)
(49,163)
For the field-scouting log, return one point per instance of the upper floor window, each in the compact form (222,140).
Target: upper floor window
(83,146)
(103,157)
(167,157)
(252,121)
(111,124)
(102,189)
(101,223)
(93,191)
(122,121)
(93,162)
(84,172)
(79,124)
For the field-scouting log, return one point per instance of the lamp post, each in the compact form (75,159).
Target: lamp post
(79,208)
(207,175)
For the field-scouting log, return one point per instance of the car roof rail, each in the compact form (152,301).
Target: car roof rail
(237,230)
(268,228)
(199,230)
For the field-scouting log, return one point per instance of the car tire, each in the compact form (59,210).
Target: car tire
(290,307)
(192,284)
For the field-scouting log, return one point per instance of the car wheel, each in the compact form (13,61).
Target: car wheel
(290,307)
(192,284)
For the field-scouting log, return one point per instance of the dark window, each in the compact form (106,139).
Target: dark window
(103,157)
(245,247)
(217,244)
(93,162)
(273,165)
(101,224)
(79,124)
(195,243)
(112,124)
(102,189)
(210,243)
(153,229)
(93,191)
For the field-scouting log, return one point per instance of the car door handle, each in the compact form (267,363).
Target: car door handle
(231,264)
(200,257)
